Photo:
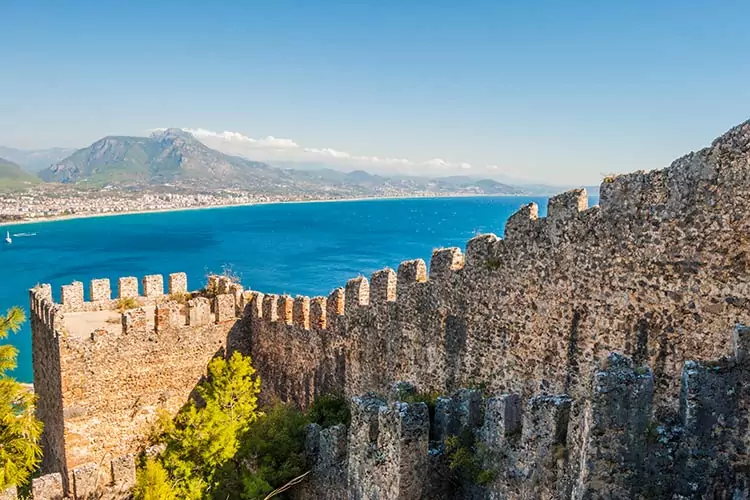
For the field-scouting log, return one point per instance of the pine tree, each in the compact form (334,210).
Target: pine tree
(20,431)
(204,437)
(153,483)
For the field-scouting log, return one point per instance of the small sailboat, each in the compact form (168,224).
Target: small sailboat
(7,238)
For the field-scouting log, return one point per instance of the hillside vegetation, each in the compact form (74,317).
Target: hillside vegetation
(175,157)
(13,177)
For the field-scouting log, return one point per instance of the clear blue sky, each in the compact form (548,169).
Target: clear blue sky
(556,91)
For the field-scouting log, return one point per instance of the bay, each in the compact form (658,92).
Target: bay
(294,248)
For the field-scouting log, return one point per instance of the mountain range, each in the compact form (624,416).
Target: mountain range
(174,157)
(37,159)
(12,176)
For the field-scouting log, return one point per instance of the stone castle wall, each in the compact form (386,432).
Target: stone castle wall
(658,271)
(102,375)
(113,481)
(529,447)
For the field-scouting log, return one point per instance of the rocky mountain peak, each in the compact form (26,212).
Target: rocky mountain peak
(172,134)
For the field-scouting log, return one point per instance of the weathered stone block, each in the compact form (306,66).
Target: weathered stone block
(271,308)
(502,419)
(99,334)
(622,395)
(444,261)
(198,311)
(618,417)
(255,305)
(461,411)
(480,250)
(741,343)
(521,224)
(238,292)
(333,443)
(167,315)
(382,286)
(85,481)
(318,312)
(44,291)
(134,321)
(707,399)
(335,303)
(326,452)
(100,290)
(10,493)
(400,434)
(224,284)
(404,439)
(285,308)
(357,293)
(567,205)
(410,272)
(545,421)
(153,285)
(213,284)
(177,283)
(302,312)
(312,441)
(72,296)
(127,287)
(224,306)
(47,487)
(123,472)
(364,417)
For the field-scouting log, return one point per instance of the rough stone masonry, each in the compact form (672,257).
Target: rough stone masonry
(659,272)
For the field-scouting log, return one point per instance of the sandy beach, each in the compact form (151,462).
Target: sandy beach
(58,218)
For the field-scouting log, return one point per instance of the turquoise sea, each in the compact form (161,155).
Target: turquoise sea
(295,248)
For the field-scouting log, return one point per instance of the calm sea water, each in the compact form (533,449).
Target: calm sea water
(304,248)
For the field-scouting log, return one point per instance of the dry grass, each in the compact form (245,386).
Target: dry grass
(123,304)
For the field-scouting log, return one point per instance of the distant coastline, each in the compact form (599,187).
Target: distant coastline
(58,218)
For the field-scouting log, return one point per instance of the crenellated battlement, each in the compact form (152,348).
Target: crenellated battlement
(539,446)
(163,341)
(445,261)
(301,312)
(357,294)
(100,292)
(545,303)
(382,287)
(659,271)
(158,311)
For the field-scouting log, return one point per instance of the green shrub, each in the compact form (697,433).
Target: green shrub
(226,448)
(202,440)
(329,410)
(152,483)
(272,453)
(464,458)
(20,430)
(125,303)
(429,398)
(180,297)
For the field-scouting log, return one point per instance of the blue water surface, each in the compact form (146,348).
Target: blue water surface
(295,248)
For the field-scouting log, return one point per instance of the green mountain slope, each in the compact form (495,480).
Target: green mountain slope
(13,177)
(174,157)
(171,156)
